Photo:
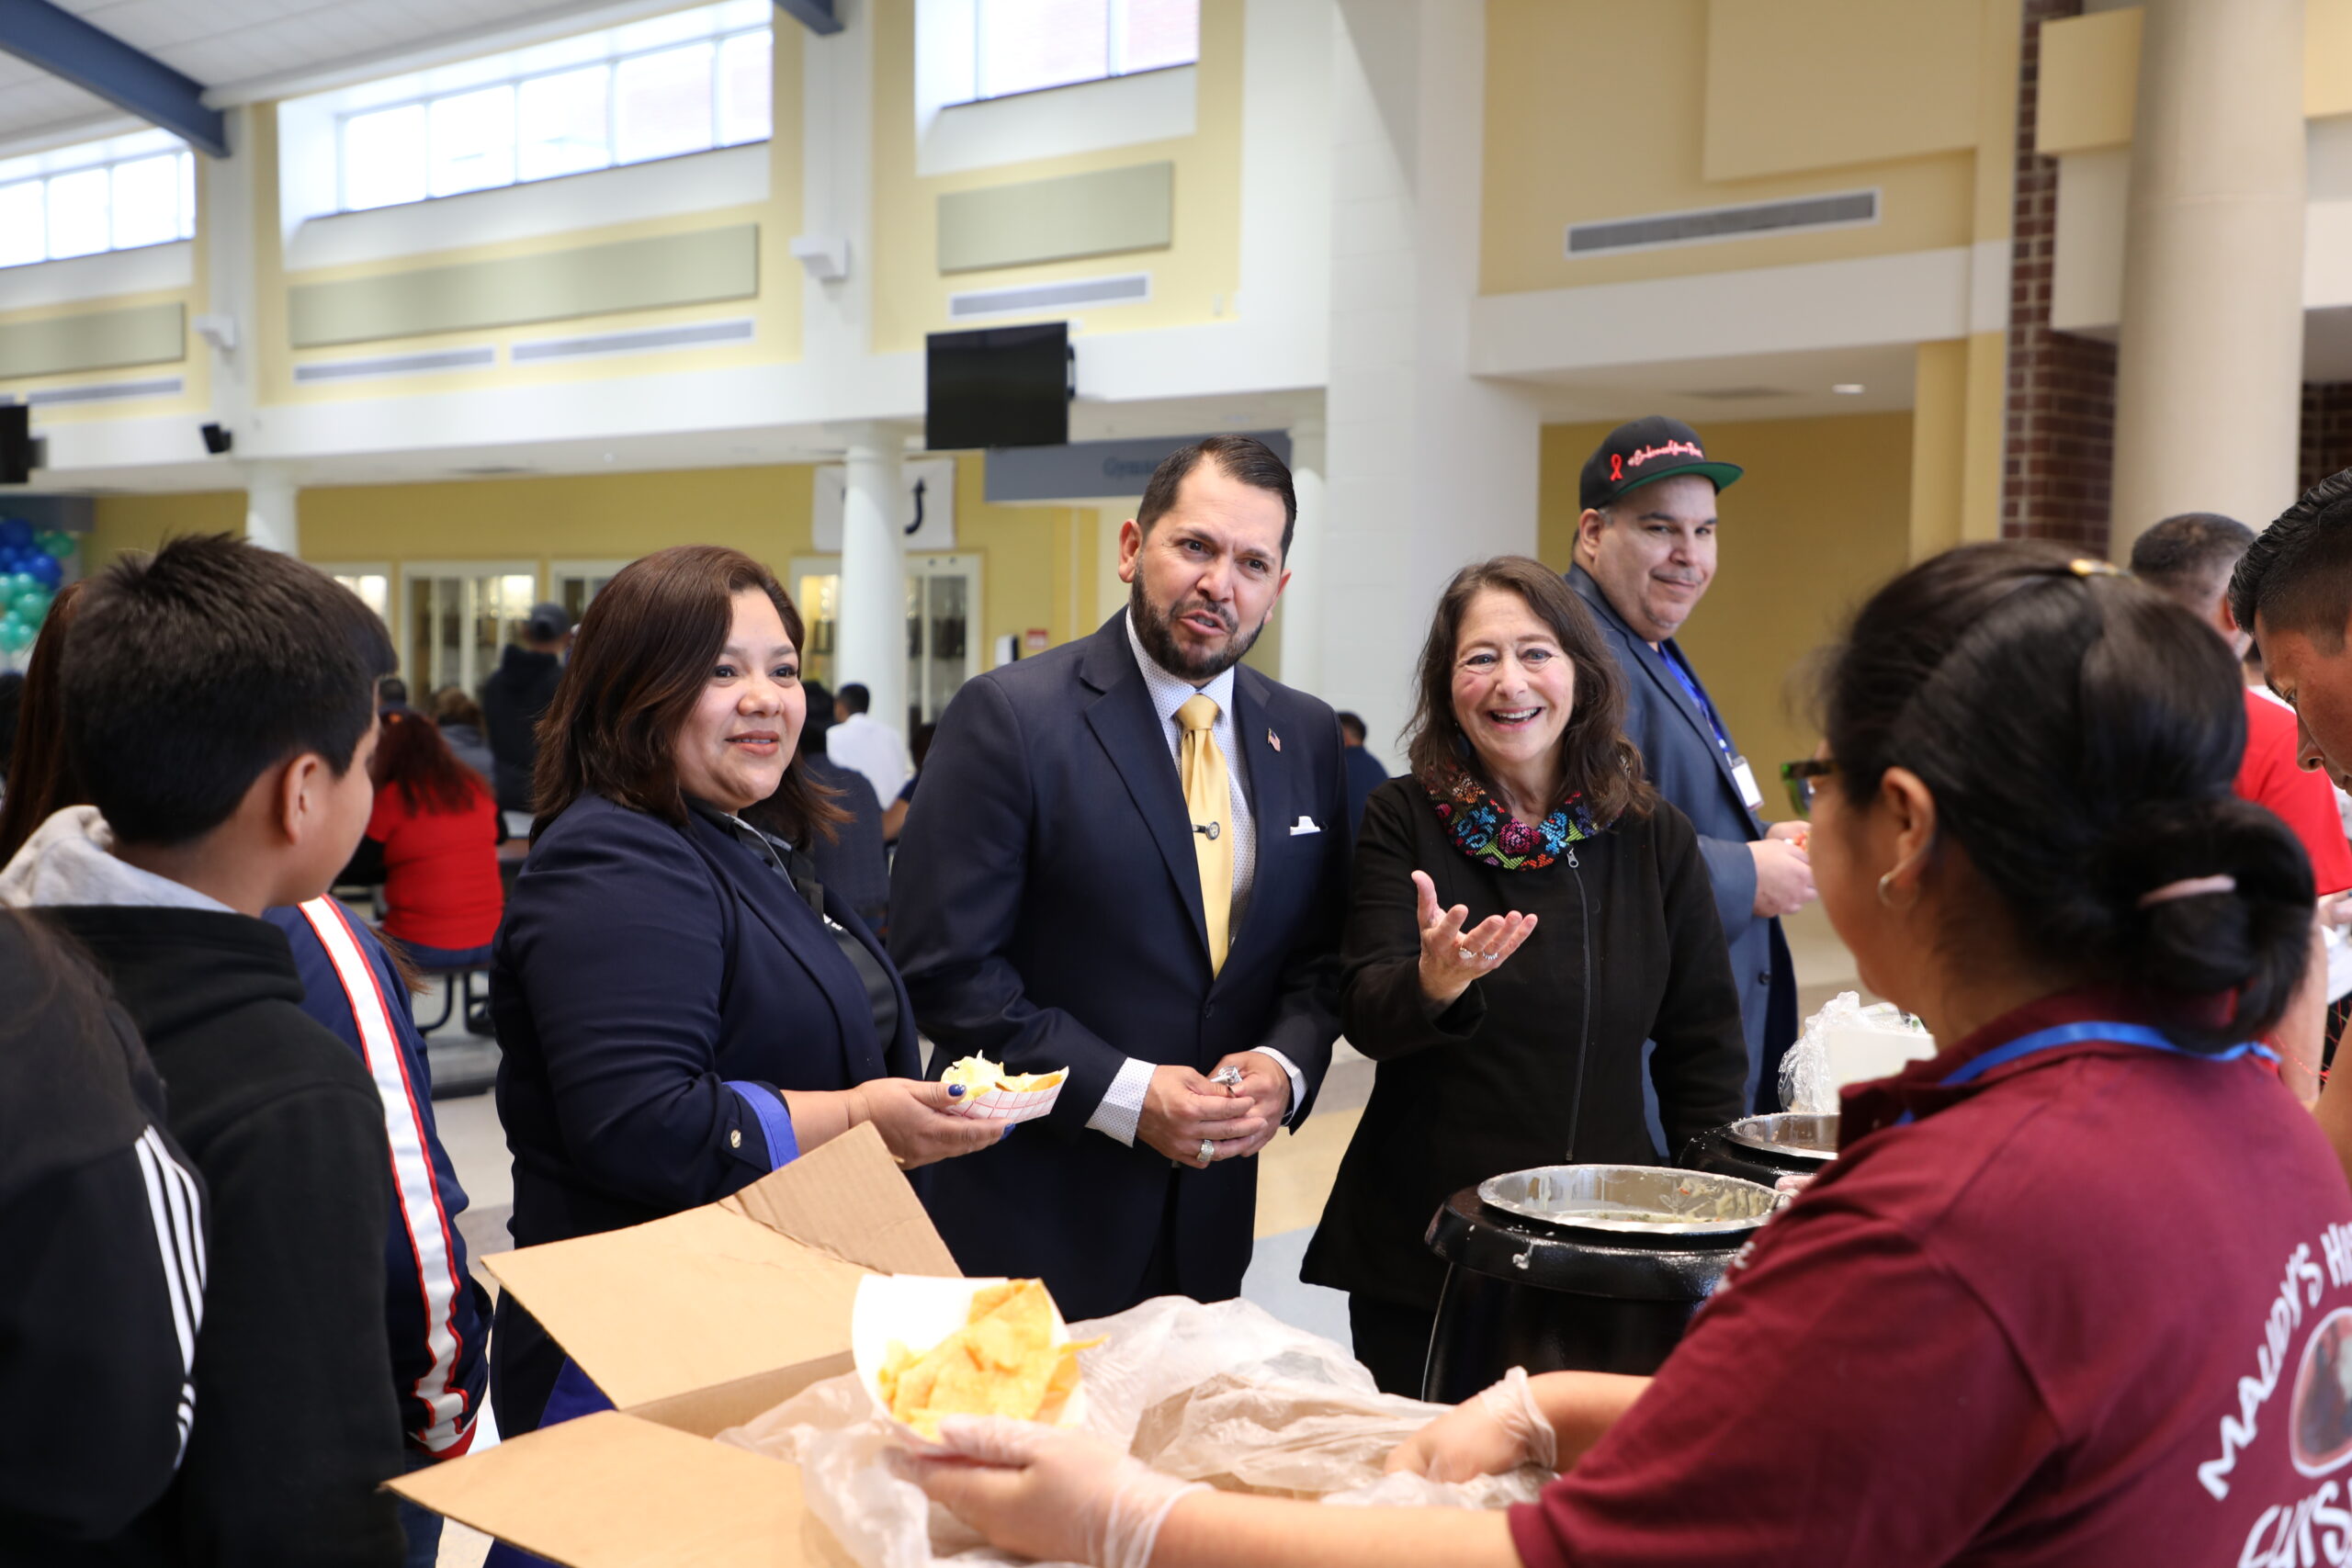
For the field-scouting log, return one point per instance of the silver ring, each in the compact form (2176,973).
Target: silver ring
(1468,955)
(1208,1151)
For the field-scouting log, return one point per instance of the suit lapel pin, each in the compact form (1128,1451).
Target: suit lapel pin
(1273,741)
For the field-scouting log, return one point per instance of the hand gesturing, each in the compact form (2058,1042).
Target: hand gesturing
(1451,957)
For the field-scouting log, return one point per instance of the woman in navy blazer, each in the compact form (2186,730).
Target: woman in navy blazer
(681,1008)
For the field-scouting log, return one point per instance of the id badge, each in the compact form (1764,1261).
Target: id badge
(1745,777)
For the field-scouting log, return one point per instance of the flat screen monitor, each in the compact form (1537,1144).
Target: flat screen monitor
(15,444)
(998,387)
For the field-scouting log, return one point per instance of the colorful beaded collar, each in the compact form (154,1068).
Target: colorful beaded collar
(1486,833)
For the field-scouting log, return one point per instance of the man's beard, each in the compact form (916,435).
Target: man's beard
(1158,639)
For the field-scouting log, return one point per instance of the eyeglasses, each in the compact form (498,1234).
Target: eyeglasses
(1804,781)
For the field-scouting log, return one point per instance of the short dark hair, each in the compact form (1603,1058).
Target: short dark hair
(854,697)
(2182,556)
(1245,459)
(643,655)
(190,672)
(2297,575)
(392,692)
(2081,742)
(1600,763)
(452,705)
(1353,725)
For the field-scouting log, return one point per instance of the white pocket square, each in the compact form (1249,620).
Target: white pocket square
(1304,825)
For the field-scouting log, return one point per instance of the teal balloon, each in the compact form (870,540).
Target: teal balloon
(57,544)
(30,607)
(14,585)
(15,635)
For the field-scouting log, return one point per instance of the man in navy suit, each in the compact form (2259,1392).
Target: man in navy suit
(1645,553)
(1048,907)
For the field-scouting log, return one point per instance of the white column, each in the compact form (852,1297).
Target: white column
(1431,468)
(230,288)
(870,645)
(272,515)
(2209,368)
(1305,599)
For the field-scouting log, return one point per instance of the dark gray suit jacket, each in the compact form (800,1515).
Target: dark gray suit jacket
(1683,761)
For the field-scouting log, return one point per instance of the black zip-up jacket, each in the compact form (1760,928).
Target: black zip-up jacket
(102,1255)
(296,1427)
(513,698)
(1541,1061)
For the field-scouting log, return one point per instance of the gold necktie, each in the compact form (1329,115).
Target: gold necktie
(1208,800)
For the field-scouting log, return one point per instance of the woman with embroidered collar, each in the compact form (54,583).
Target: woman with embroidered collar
(1526,913)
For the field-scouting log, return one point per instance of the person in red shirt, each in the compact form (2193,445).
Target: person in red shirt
(2078,1289)
(437,825)
(2190,557)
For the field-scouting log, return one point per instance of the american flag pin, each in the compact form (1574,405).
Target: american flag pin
(1273,741)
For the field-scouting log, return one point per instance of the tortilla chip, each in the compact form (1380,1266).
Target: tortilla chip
(1002,1361)
(979,1076)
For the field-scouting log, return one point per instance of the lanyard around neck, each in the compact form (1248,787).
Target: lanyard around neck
(2063,1034)
(2116,1034)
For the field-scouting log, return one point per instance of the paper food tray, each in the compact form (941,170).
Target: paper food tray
(919,1310)
(1012,1104)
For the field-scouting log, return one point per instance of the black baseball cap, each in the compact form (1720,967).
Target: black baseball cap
(1643,452)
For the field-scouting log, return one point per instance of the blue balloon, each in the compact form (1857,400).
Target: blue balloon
(15,532)
(44,569)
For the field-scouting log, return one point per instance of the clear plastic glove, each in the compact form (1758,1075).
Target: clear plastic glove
(1047,1493)
(1491,1435)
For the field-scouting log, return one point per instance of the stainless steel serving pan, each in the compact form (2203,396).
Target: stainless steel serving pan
(1630,1199)
(1799,1135)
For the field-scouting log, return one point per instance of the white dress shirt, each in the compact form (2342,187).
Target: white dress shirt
(864,743)
(1122,1107)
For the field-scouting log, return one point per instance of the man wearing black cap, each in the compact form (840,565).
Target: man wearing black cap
(515,696)
(1644,554)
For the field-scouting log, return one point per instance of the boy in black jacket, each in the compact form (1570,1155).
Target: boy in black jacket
(220,709)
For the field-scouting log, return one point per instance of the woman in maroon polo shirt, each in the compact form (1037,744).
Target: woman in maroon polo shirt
(2077,1291)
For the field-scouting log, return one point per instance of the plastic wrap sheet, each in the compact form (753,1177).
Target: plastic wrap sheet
(1224,1393)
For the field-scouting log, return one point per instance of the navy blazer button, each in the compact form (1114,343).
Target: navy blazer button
(1763,977)
(735,1138)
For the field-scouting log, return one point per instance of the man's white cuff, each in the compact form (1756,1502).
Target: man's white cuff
(1122,1107)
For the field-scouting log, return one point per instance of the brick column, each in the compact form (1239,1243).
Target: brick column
(2327,437)
(2058,450)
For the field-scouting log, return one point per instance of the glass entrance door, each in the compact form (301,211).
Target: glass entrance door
(942,627)
(943,634)
(459,619)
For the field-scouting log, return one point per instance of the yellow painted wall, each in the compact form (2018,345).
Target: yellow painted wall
(2090,75)
(776,310)
(1821,518)
(1796,84)
(1038,562)
(143,521)
(1598,110)
(1189,279)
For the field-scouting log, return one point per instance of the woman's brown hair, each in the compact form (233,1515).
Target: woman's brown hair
(638,664)
(1600,763)
(41,780)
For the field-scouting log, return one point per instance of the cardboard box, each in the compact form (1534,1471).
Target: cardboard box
(692,1325)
